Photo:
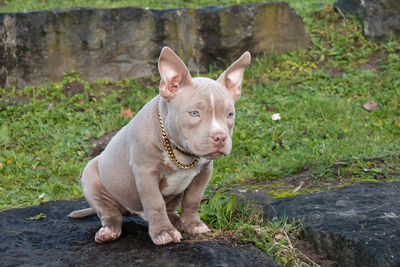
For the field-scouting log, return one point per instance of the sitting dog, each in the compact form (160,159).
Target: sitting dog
(163,157)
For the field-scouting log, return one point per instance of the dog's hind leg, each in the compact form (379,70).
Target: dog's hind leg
(107,208)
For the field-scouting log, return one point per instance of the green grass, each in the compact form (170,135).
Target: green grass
(29,5)
(244,222)
(319,94)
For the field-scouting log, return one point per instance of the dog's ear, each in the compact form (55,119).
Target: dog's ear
(233,76)
(174,74)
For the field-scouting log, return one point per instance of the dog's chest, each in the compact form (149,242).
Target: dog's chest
(177,181)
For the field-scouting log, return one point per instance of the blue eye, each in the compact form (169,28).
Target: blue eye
(230,115)
(194,113)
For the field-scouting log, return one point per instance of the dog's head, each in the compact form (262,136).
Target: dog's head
(201,111)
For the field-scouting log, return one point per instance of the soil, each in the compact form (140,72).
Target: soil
(97,145)
(374,61)
(307,248)
(73,88)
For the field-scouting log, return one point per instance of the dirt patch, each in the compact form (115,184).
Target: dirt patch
(311,255)
(223,237)
(333,72)
(73,88)
(374,61)
(97,145)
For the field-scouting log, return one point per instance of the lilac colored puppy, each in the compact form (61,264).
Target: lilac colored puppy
(163,157)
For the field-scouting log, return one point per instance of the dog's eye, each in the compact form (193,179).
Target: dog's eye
(194,113)
(230,115)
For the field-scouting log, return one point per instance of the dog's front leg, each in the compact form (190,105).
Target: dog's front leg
(193,195)
(161,230)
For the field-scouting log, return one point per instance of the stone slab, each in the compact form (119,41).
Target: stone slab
(358,225)
(60,241)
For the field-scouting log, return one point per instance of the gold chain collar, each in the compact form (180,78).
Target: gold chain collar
(170,147)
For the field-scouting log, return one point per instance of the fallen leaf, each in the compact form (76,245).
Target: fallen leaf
(40,216)
(127,113)
(272,109)
(278,236)
(371,106)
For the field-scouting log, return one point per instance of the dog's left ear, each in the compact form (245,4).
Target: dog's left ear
(233,76)
(174,74)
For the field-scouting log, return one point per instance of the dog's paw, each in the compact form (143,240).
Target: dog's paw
(106,234)
(201,228)
(166,236)
(196,227)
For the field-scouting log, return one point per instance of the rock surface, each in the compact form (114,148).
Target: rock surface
(60,241)
(381,17)
(39,46)
(348,6)
(358,225)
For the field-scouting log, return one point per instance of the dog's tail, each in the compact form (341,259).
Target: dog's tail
(82,213)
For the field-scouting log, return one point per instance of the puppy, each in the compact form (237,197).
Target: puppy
(163,157)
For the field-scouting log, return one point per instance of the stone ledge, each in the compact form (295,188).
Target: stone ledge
(358,225)
(57,240)
(39,46)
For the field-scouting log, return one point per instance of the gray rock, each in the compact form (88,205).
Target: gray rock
(113,44)
(358,225)
(60,241)
(381,17)
(348,6)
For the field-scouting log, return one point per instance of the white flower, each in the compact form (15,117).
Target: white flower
(276,116)
(42,196)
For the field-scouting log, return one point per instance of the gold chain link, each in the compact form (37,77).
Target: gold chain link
(169,148)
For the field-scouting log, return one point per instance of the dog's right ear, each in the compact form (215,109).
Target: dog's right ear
(174,74)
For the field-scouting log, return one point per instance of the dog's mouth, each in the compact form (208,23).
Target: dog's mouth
(214,155)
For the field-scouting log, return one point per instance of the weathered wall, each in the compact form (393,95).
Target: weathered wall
(36,47)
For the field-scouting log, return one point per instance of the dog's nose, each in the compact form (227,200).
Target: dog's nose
(219,139)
